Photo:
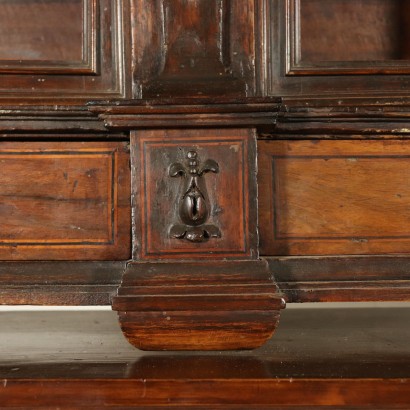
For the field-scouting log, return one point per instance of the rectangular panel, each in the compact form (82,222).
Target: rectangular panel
(41,36)
(334,197)
(79,50)
(209,44)
(348,36)
(64,201)
(229,230)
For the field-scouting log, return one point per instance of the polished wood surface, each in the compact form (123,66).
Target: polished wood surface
(320,358)
(342,278)
(334,197)
(50,194)
(230,193)
(346,30)
(26,37)
(337,48)
(325,81)
(219,305)
(211,44)
(52,50)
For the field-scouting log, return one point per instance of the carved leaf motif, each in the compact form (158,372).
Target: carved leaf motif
(177,169)
(212,231)
(210,165)
(193,207)
(177,231)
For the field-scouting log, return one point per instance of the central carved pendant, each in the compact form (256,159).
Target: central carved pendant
(194,206)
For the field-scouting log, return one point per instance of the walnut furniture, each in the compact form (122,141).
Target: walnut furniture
(198,164)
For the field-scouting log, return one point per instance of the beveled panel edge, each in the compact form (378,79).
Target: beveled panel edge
(316,246)
(88,64)
(114,82)
(120,248)
(295,67)
(140,245)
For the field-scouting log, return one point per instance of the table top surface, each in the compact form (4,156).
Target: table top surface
(349,342)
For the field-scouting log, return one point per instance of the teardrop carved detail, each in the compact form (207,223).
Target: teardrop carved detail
(194,206)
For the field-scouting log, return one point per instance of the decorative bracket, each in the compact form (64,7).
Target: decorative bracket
(194,206)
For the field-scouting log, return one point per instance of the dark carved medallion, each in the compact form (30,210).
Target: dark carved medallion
(194,206)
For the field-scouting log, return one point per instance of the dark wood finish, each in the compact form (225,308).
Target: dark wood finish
(319,359)
(60,283)
(328,197)
(51,193)
(297,74)
(211,44)
(220,112)
(347,37)
(231,193)
(34,40)
(209,217)
(302,51)
(198,306)
(347,118)
(342,278)
(84,58)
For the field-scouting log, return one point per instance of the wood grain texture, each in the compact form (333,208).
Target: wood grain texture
(86,57)
(347,37)
(35,40)
(324,197)
(231,193)
(208,43)
(342,278)
(64,201)
(204,112)
(198,306)
(296,56)
(59,283)
(319,359)
(346,118)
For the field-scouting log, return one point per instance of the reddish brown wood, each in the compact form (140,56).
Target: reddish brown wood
(76,53)
(59,283)
(208,43)
(342,278)
(319,359)
(198,306)
(231,193)
(327,81)
(298,57)
(324,197)
(346,37)
(51,193)
(31,46)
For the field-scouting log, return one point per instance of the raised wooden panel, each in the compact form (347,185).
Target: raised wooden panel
(66,50)
(55,36)
(230,193)
(334,47)
(209,43)
(334,197)
(64,201)
(348,36)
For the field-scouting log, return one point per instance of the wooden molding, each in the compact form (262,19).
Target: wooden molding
(187,112)
(198,305)
(59,282)
(343,278)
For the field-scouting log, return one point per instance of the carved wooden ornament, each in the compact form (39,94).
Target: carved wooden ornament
(194,207)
